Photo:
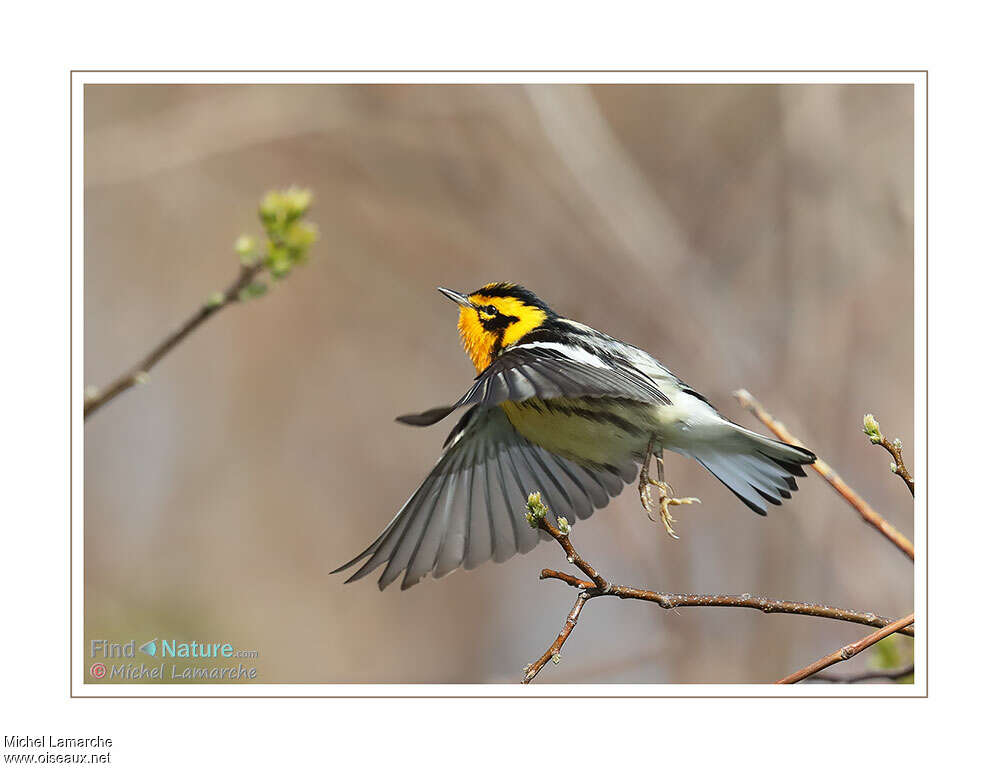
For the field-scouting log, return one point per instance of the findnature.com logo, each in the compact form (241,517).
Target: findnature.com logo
(169,648)
(202,652)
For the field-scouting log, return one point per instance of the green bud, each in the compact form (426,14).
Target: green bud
(141,378)
(298,238)
(280,267)
(278,260)
(536,509)
(298,201)
(245,245)
(871,428)
(252,291)
(563,525)
(272,207)
(279,209)
(215,300)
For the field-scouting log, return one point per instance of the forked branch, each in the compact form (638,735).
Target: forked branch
(596,586)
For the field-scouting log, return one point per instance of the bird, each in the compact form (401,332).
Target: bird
(561,408)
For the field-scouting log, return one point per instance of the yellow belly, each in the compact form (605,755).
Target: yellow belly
(593,432)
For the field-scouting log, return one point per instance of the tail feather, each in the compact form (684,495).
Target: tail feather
(757,469)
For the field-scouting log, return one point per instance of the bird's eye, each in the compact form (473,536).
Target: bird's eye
(489,311)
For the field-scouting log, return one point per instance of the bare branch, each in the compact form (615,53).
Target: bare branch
(597,586)
(140,371)
(742,601)
(867,512)
(848,651)
(552,653)
(286,245)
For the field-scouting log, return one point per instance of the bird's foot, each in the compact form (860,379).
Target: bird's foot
(665,503)
(646,485)
(667,496)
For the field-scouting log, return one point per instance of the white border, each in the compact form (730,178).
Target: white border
(81,689)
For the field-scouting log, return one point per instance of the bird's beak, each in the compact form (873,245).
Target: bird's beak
(454,296)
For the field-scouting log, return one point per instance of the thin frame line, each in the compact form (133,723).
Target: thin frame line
(925,481)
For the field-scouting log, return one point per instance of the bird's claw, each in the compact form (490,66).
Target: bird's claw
(665,503)
(667,498)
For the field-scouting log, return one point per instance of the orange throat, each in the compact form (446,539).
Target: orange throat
(479,344)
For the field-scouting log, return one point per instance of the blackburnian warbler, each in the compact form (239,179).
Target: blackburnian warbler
(566,410)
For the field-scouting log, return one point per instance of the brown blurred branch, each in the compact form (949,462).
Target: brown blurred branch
(892,674)
(140,371)
(598,586)
(848,651)
(875,519)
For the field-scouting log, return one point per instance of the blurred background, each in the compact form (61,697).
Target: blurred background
(747,236)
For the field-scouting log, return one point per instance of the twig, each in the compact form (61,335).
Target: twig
(891,674)
(140,371)
(873,431)
(743,601)
(553,652)
(287,243)
(867,512)
(848,651)
(597,586)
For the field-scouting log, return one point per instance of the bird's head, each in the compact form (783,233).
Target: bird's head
(495,317)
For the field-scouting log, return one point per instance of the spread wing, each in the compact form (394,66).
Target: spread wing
(550,370)
(471,506)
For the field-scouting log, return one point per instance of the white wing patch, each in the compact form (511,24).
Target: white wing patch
(570,351)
